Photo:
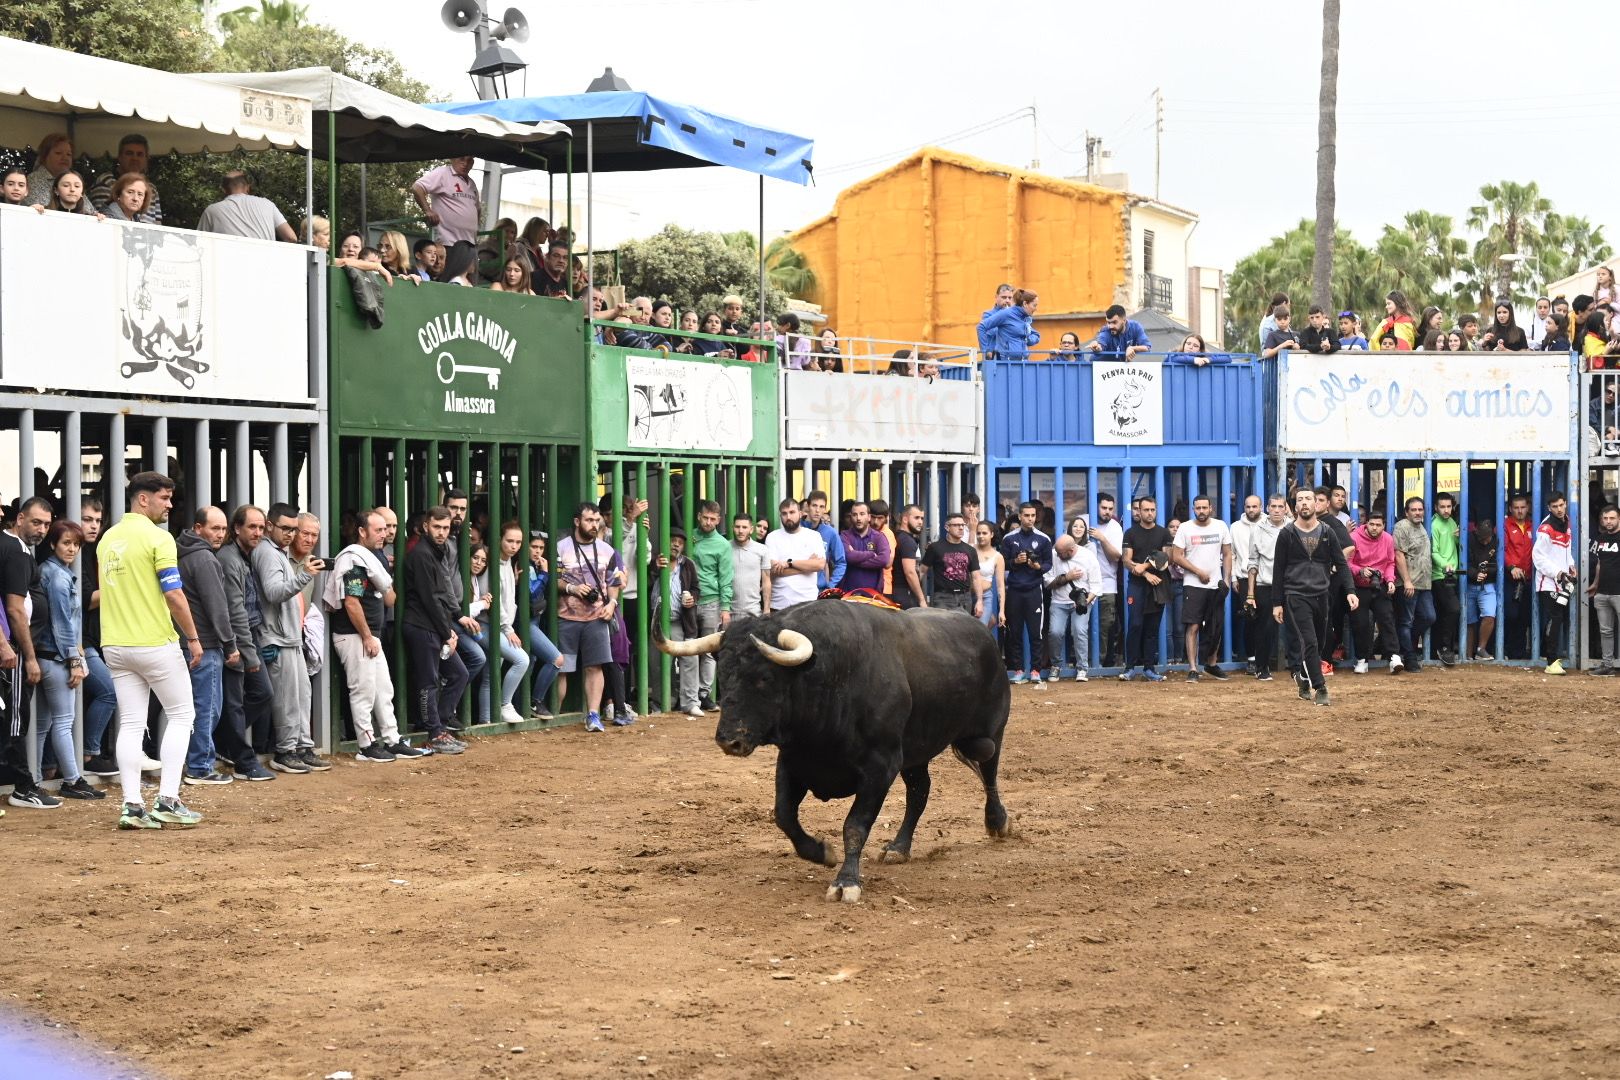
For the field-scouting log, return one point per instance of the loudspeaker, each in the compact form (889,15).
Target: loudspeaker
(515,25)
(460,15)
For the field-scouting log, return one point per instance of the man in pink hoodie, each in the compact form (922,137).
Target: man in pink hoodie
(1373,568)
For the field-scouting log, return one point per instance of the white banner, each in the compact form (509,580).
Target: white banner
(850,411)
(1393,403)
(689,405)
(151,312)
(1127,403)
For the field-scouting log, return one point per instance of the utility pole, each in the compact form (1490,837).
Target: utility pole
(1093,148)
(1158,136)
(1034,140)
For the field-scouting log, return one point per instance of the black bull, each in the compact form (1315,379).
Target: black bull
(852,696)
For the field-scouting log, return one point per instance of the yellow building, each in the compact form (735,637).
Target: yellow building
(916,251)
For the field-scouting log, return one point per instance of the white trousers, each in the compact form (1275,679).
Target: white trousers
(139,671)
(371,690)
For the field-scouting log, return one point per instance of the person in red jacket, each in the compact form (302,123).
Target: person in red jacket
(1518,540)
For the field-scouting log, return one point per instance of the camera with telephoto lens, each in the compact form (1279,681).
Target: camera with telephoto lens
(1080,597)
(1564,590)
(1375,578)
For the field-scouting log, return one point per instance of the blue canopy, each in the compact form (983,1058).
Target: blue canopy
(636,132)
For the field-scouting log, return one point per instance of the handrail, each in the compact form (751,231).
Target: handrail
(727,339)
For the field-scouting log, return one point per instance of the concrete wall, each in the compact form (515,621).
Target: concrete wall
(917,251)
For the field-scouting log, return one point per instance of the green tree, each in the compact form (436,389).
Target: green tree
(1510,216)
(165,34)
(787,269)
(1569,245)
(282,14)
(693,270)
(1285,265)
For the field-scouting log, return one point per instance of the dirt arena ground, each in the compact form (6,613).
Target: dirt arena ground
(1209,881)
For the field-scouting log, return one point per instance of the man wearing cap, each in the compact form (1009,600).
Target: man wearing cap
(448,199)
(1349,339)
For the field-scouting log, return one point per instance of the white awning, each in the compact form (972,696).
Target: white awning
(99,101)
(373,125)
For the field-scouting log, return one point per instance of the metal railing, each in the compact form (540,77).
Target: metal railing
(888,356)
(1158,292)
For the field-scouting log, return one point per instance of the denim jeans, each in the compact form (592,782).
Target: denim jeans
(515,662)
(1416,616)
(1069,638)
(100,703)
(55,718)
(207,697)
(544,656)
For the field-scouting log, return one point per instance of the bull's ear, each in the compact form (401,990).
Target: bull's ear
(742,622)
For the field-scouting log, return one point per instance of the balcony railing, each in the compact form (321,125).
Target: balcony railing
(1158,293)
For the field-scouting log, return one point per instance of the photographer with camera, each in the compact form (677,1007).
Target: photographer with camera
(1372,572)
(589,573)
(1446,555)
(1554,560)
(1074,579)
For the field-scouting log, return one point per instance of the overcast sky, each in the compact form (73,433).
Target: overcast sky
(1425,115)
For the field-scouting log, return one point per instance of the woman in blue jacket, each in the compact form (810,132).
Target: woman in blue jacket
(59,644)
(1010,331)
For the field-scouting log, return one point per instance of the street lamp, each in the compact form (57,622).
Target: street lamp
(492,61)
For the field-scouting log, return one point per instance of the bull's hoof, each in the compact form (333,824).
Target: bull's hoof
(849,894)
(1000,828)
(895,855)
(830,851)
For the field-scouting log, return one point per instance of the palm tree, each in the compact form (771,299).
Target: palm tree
(1327,152)
(281,14)
(1511,218)
(1569,244)
(787,269)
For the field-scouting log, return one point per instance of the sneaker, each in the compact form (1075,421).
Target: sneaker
(1129,675)
(1192,675)
(446,743)
(1605,669)
(1448,659)
(315,762)
(79,789)
(32,798)
(254,771)
(593,722)
(1554,668)
(373,751)
(1321,697)
(175,812)
(1303,685)
(1264,676)
(289,763)
(1395,665)
(1152,676)
(206,778)
(403,749)
(134,816)
(1360,668)
(1216,673)
(1035,678)
(1481,654)
(540,712)
(1415,665)
(510,714)
(705,702)
(1080,676)
(101,765)
(694,711)
(623,719)
(454,725)
(1018,677)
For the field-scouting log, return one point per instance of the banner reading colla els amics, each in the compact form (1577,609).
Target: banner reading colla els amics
(1393,403)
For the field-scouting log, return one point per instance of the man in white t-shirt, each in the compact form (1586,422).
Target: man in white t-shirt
(1110,537)
(1203,548)
(1242,550)
(797,555)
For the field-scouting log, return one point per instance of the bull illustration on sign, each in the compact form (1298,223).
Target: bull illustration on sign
(449,369)
(1127,402)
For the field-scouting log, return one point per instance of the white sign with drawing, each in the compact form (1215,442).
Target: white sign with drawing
(1397,403)
(689,404)
(863,412)
(1127,403)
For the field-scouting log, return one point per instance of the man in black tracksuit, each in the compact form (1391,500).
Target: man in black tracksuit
(1309,575)
(1028,553)
(437,674)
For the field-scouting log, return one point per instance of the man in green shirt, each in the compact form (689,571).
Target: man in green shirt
(1444,550)
(711,554)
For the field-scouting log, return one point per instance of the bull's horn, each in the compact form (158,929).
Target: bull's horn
(690,647)
(795,650)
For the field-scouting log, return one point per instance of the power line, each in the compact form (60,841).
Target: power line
(966,133)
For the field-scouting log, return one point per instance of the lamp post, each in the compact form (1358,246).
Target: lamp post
(491,66)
